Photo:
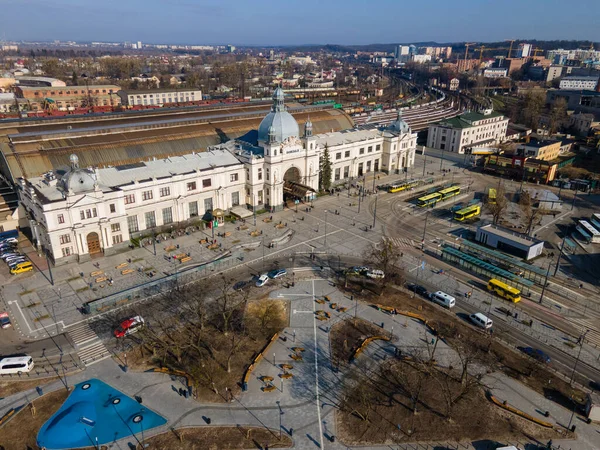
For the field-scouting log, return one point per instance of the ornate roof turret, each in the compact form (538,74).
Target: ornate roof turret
(308,128)
(399,125)
(76,180)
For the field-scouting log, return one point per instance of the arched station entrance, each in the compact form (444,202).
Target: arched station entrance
(293,189)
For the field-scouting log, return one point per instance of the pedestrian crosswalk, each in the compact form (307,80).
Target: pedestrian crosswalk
(90,348)
(402,242)
(593,335)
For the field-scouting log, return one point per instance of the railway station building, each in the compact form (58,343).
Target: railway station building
(75,212)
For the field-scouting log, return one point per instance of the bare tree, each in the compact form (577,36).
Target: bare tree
(385,256)
(530,217)
(229,302)
(497,206)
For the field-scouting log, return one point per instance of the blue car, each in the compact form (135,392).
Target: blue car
(536,353)
(277,273)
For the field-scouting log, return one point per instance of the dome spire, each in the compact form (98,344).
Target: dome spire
(278,100)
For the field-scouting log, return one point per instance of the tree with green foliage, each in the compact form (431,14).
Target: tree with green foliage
(325,172)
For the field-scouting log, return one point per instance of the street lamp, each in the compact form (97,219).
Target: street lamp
(425,230)
(325,229)
(375,212)
(546,281)
(582,339)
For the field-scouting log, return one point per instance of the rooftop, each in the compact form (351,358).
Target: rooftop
(538,143)
(153,91)
(113,177)
(467,120)
(519,238)
(54,88)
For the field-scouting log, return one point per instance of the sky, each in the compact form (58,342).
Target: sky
(296,22)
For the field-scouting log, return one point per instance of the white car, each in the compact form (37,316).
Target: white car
(262,280)
(375,273)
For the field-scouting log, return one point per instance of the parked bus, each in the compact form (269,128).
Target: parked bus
(595,220)
(588,231)
(492,196)
(467,213)
(449,192)
(429,200)
(504,290)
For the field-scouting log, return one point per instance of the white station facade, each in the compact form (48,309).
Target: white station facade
(75,213)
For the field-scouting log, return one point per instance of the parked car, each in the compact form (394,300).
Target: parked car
(536,353)
(22,268)
(277,273)
(375,273)
(262,280)
(417,288)
(4,320)
(129,326)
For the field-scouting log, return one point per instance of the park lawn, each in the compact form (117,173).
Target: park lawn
(219,438)
(493,353)
(347,335)
(260,314)
(10,386)
(21,431)
(377,410)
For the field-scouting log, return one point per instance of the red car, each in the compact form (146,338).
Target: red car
(129,326)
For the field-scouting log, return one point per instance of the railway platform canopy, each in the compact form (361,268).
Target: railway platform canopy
(528,271)
(482,268)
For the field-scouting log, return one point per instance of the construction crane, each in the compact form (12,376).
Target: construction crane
(467,48)
(481,49)
(512,41)
(536,51)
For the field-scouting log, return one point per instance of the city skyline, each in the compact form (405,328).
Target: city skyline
(304,23)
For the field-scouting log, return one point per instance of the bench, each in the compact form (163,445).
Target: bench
(266,379)
(298,349)
(170,248)
(342,309)
(120,266)
(96,273)
(180,255)
(296,357)
(286,376)
(101,279)
(333,305)
(213,246)
(287,366)
(319,301)
(227,234)
(204,241)
(127,271)
(186,259)
(269,388)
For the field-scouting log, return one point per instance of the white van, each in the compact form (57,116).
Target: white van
(441,298)
(17,364)
(481,321)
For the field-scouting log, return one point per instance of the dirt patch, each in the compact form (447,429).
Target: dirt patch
(21,431)
(380,409)
(217,438)
(490,352)
(10,387)
(347,335)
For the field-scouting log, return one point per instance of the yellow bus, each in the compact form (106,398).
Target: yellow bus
(429,200)
(467,213)
(504,290)
(449,192)
(492,196)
